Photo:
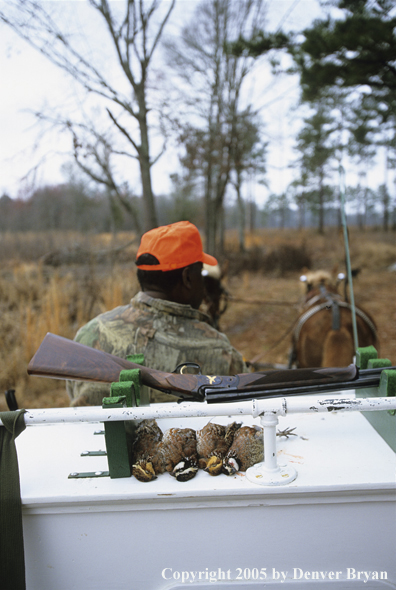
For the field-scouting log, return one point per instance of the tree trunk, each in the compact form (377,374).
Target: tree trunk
(301,213)
(321,202)
(150,215)
(339,216)
(385,200)
(385,219)
(242,214)
(210,216)
(221,244)
(211,230)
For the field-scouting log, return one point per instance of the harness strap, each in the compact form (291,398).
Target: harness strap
(313,310)
(335,315)
(363,315)
(304,317)
(319,297)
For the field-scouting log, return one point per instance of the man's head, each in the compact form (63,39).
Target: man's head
(170,260)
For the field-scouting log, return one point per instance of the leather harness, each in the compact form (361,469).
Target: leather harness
(332,301)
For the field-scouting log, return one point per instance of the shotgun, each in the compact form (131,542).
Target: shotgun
(60,358)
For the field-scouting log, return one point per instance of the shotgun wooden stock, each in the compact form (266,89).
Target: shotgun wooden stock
(60,358)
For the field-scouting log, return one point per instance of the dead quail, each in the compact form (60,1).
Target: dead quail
(246,450)
(148,435)
(177,454)
(213,442)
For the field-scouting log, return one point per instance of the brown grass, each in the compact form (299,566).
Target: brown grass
(35,298)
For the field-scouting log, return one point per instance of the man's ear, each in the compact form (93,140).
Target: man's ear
(186,277)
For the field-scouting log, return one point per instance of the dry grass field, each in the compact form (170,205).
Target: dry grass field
(57,282)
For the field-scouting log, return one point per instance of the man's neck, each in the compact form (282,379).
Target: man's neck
(157,294)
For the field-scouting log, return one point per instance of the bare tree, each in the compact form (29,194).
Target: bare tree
(212,80)
(134,29)
(248,158)
(99,151)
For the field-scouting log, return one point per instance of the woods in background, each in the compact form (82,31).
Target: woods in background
(193,88)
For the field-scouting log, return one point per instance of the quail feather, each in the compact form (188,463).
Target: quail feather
(148,435)
(246,450)
(213,442)
(177,453)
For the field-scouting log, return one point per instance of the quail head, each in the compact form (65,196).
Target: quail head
(143,469)
(246,450)
(177,453)
(213,442)
(148,436)
(214,464)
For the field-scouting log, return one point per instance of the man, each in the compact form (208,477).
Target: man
(162,321)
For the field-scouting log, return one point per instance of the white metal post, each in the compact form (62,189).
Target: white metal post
(269,472)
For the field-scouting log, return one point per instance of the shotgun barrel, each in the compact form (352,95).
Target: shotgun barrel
(60,358)
(366,379)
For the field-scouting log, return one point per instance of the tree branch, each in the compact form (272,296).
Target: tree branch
(123,131)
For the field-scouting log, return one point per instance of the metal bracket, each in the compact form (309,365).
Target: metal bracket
(87,474)
(116,441)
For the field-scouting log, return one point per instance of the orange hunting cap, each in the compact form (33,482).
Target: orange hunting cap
(175,246)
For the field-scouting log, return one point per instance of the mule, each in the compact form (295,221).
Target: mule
(323,333)
(216,295)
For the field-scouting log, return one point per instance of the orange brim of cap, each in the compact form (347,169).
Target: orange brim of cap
(208,259)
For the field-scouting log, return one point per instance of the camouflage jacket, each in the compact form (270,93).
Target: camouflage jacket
(167,333)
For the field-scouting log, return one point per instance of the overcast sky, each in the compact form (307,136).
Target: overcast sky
(30,82)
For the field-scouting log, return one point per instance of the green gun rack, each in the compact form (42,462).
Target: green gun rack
(116,441)
(384,422)
(127,392)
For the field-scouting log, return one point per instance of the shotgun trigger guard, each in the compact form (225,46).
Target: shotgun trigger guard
(180,368)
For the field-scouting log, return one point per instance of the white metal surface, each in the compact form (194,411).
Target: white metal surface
(339,515)
(281,406)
